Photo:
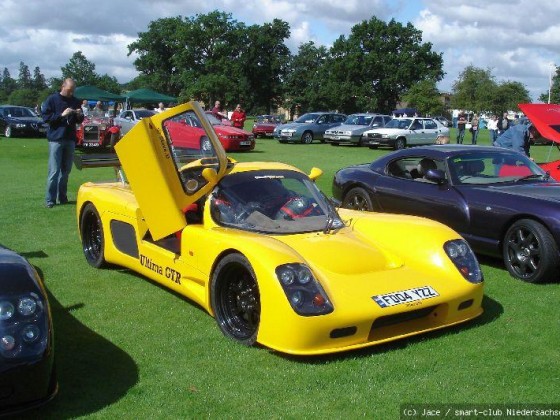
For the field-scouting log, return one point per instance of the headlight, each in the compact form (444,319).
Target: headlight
(21,125)
(384,136)
(102,127)
(347,133)
(305,294)
(23,326)
(459,251)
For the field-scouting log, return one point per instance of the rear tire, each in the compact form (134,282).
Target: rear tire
(235,299)
(357,199)
(93,239)
(530,252)
(400,144)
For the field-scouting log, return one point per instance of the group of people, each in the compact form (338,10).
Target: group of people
(503,133)
(238,116)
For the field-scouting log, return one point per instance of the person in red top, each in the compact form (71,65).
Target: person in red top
(238,117)
(217,111)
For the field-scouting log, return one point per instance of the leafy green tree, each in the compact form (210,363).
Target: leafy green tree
(474,90)
(8,84)
(554,89)
(508,95)
(39,82)
(80,69)
(108,83)
(24,80)
(23,97)
(377,63)
(425,97)
(304,79)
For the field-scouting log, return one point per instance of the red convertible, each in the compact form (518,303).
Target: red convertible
(97,132)
(232,139)
(265,124)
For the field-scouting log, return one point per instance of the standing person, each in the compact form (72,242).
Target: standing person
(62,111)
(461,123)
(85,108)
(217,111)
(518,137)
(493,128)
(503,124)
(238,117)
(98,110)
(474,128)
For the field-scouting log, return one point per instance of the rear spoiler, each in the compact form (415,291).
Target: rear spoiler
(100,160)
(97,160)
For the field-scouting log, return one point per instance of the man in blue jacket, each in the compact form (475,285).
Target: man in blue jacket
(518,137)
(62,111)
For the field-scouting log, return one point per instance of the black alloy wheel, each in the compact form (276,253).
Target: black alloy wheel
(235,299)
(91,231)
(530,252)
(357,199)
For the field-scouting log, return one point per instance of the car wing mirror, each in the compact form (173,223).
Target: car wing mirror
(210,175)
(315,173)
(436,175)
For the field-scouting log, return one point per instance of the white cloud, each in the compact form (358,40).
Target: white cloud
(517,39)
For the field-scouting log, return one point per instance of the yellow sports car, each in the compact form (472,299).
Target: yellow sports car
(261,249)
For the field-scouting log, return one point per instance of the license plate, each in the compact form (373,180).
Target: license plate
(373,142)
(286,135)
(405,296)
(336,137)
(244,143)
(269,134)
(42,130)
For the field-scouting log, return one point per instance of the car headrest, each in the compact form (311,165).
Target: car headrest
(425,165)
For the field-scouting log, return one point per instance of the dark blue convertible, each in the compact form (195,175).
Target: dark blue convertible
(504,204)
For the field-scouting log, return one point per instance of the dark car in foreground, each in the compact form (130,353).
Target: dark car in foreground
(19,121)
(500,201)
(27,373)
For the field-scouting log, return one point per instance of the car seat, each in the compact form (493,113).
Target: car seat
(424,166)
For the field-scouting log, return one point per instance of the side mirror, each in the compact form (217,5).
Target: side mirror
(436,175)
(210,175)
(315,173)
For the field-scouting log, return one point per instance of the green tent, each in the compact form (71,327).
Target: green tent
(148,96)
(93,93)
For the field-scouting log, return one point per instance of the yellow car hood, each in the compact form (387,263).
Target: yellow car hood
(345,252)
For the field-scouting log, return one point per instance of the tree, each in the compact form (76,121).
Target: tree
(108,83)
(378,62)
(475,90)
(23,97)
(304,79)
(554,90)
(8,84)
(39,82)
(80,69)
(425,97)
(24,80)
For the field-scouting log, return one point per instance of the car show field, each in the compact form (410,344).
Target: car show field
(128,348)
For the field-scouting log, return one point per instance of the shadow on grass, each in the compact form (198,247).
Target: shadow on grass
(92,372)
(492,311)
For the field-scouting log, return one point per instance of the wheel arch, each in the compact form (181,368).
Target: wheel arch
(517,218)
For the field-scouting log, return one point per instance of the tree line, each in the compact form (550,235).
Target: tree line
(212,56)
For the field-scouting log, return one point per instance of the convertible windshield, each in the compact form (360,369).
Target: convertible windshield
(399,123)
(495,166)
(307,118)
(358,120)
(272,202)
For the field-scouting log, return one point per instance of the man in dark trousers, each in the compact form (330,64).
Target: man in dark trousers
(461,123)
(62,111)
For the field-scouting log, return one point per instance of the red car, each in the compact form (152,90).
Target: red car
(97,132)
(232,139)
(265,124)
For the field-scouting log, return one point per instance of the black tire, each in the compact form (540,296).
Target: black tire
(93,239)
(357,199)
(360,141)
(530,252)
(235,299)
(335,144)
(400,143)
(307,137)
(373,147)
(114,139)
(8,131)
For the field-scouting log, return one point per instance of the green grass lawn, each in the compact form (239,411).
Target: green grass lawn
(127,348)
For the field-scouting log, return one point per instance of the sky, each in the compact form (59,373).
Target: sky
(518,40)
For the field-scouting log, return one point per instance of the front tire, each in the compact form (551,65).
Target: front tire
(357,199)
(8,131)
(235,299)
(307,137)
(530,252)
(400,144)
(93,239)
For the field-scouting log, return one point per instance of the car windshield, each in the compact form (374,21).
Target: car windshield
(493,167)
(274,119)
(358,120)
(401,123)
(143,113)
(307,118)
(277,202)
